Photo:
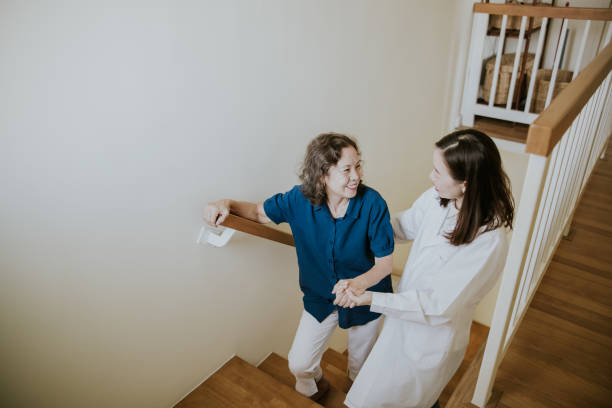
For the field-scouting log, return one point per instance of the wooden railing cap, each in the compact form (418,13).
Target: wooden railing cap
(257,229)
(546,131)
(574,13)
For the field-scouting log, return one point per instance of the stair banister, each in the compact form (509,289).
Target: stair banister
(563,144)
(470,105)
(254,228)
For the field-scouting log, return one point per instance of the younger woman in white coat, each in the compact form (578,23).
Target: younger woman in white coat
(459,230)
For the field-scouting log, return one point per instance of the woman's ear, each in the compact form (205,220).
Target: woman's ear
(463,186)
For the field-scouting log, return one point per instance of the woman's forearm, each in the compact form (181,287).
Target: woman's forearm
(245,209)
(382,267)
(216,212)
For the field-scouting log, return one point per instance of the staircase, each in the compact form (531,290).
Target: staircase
(240,384)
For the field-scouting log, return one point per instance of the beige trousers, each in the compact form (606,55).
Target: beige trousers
(309,345)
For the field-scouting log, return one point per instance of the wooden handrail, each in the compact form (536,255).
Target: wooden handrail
(546,131)
(573,13)
(254,228)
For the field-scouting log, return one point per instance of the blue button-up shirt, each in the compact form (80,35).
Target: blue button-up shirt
(331,249)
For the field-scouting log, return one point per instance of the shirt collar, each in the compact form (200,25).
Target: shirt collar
(354,207)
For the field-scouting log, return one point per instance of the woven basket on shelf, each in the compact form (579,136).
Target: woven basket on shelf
(540,89)
(505,74)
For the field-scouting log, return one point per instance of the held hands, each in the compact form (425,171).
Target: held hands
(350,293)
(216,212)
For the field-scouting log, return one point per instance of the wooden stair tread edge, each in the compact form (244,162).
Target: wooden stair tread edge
(278,367)
(263,381)
(238,383)
(334,398)
(337,378)
(336,358)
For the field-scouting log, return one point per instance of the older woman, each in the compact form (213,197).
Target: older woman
(342,230)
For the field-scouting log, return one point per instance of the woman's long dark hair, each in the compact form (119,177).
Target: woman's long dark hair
(473,158)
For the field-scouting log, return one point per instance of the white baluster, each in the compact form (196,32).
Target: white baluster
(591,141)
(543,221)
(603,125)
(573,163)
(500,50)
(517,58)
(587,29)
(536,63)
(608,36)
(474,68)
(553,79)
(607,121)
(580,161)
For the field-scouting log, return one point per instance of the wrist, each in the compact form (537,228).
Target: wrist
(360,282)
(227,203)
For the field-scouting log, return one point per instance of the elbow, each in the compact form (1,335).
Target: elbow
(443,315)
(438,320)
(260,214)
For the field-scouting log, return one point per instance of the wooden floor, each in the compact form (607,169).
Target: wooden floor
(561,355)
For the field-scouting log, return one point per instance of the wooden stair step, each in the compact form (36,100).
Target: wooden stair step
(335,358)
(278,367)
(239,384)
(337,377)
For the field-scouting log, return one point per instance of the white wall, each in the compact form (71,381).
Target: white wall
(120,119)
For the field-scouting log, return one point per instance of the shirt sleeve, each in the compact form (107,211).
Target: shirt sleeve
(463,281)
(280,207)
(407,223)
(380,232)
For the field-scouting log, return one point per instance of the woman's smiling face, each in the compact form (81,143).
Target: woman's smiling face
(342,179)
(445,185)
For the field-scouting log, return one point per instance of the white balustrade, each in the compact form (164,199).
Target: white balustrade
(553,182)
(470,103)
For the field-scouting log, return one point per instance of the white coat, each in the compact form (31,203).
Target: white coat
(427,322)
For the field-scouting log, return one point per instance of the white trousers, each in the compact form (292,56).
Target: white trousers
(309,345)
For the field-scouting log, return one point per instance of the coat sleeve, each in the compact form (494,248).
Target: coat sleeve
(406,223)
(462,282)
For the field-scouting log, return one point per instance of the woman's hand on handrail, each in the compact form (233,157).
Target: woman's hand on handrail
(217,211)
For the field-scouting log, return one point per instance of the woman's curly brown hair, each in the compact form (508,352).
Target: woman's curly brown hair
(322,152)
